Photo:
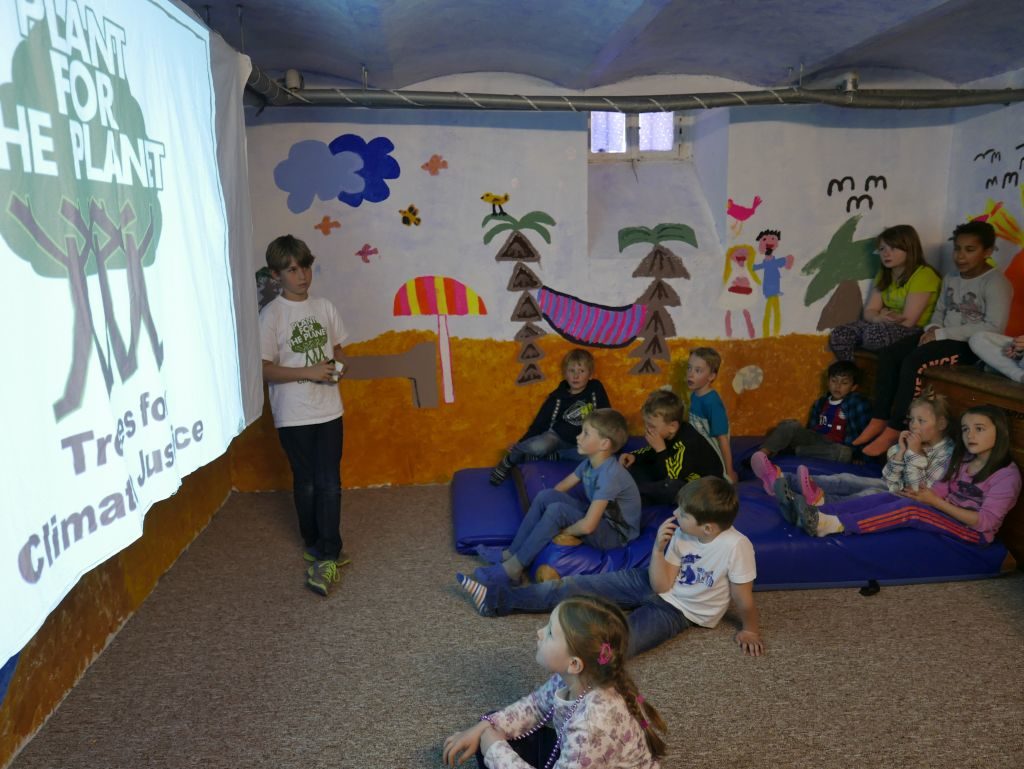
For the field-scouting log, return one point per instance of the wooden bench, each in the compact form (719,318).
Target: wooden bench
(967,386)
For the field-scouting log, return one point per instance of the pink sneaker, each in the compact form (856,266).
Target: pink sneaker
(766,471)
(811,491)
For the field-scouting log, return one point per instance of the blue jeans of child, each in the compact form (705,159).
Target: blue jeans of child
(541,445)
(843,485)
(314,453)
(652,621)
(549,513)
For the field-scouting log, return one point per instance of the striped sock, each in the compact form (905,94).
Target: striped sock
(500,472)
(477,592)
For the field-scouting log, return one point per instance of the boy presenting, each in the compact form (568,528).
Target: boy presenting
(557,424)
(707,412)
(835,420)
(675,453)
(299,334)
(707,562)
(610,520)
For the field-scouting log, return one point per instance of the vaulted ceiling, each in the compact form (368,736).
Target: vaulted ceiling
(583,44)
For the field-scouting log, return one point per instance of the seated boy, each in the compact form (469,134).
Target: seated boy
(707,563)
(611,519)
(707,412)
(836,419)
(557,424)
(675,453)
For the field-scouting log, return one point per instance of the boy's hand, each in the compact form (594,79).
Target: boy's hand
(320,372)
(627,459)
(750,642)
(664,535)
(733,476)
(654,440)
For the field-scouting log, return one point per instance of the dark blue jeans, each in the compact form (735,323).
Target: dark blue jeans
(652,621)
(549,513)
(548,442)
(314,453)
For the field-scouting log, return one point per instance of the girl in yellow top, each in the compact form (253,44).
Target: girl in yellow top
(902,298)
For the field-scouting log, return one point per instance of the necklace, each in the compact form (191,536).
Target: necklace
(560,734)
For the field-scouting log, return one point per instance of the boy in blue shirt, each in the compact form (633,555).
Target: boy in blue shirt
(610,520)
(707,412)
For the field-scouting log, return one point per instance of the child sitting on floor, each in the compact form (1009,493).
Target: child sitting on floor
(919,459)
(836,418)
(589,713)
(970,503)
(554,429)
(1003,353)
(707,412)
(699,562)
(675,453)
(611,519)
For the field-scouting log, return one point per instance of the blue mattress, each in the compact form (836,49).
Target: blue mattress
(787,558)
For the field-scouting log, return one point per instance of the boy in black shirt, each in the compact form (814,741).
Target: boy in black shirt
(675,453)
(560,418)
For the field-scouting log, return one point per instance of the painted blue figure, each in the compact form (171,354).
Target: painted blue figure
(771,286)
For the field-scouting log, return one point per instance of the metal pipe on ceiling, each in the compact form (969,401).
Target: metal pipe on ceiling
(271,93)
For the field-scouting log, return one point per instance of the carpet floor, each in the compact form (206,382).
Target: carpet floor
(232,662)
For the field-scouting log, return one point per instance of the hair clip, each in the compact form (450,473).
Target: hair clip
(606,654)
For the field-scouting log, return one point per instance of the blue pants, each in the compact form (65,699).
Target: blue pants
(840,486)
(652,621)
(882,512)
(314,453)
(549,513)
(541,445)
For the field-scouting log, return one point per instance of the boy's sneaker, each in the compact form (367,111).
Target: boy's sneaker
(500,472)
(812,492)
(312,555)
(766,471)
(807,516)
(320,575)
(787,504)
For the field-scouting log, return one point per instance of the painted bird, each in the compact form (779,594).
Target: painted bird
(742,213)
(496,201)
(366,252)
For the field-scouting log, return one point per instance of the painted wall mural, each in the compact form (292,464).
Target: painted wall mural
(838,270)
(738,282)
(771,266)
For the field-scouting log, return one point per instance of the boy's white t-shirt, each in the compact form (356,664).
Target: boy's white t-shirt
(297,334)
(701,589)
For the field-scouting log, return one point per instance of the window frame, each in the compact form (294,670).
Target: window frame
(682,123)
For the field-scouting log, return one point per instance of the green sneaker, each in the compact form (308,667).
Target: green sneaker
(320,575)
(312,555)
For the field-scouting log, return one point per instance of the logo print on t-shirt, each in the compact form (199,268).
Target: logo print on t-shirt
(577,412)
(690,576)
(309,337)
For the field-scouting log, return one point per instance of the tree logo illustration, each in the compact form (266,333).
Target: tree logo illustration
(81,180)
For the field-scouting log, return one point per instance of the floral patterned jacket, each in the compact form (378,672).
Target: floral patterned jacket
(602,734)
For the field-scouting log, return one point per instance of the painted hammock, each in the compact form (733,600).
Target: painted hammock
(588,323)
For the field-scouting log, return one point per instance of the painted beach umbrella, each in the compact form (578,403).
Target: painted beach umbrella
(441,296)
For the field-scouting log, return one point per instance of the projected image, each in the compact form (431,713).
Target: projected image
(114,238)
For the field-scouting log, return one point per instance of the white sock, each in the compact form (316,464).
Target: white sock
(829,524)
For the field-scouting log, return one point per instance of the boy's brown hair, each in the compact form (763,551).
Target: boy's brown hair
(710,356)
(610,424)
(282,249)
(710,500)
(577,357)
(665,404)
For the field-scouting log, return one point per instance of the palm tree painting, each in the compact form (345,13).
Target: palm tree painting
(661,264)
(517,248)
(841,266)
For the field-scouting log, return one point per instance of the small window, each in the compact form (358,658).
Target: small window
(615,135)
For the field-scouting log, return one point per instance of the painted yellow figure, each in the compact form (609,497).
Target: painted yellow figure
(738,289)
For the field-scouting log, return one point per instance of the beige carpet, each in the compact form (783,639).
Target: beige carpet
(233,663)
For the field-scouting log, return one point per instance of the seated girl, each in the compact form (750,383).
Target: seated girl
(902,298)
(589,713)
(970,503)
(1003,353)
(974,298)
(919,459)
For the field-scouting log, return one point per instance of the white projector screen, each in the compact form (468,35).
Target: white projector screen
(123,369)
